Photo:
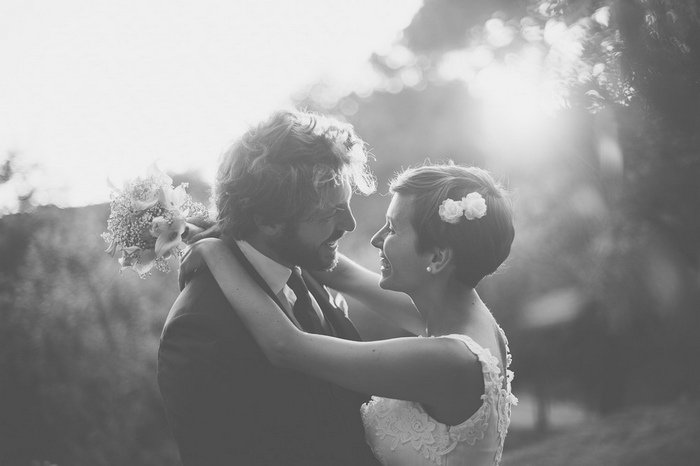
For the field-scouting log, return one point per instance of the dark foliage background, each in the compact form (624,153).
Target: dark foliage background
(599,298)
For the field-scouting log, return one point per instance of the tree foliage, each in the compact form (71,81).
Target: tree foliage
(603,276)
(78,345)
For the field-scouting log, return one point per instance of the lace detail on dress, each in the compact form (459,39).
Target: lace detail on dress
(506,400)
(400,422)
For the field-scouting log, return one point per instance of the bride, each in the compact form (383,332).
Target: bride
(442,397)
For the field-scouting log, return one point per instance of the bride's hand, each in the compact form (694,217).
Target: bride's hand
(199,228)
(193,260)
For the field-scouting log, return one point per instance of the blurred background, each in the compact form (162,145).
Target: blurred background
(587,110)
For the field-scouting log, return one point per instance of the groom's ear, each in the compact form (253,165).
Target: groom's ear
(441,258)
(267,226)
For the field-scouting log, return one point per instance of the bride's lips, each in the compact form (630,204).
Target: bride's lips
(384,265)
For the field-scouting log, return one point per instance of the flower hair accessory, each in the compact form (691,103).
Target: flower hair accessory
(471,206)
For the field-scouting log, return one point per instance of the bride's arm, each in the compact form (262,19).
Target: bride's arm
(427,370)
(356,281)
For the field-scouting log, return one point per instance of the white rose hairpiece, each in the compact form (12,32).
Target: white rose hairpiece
(471,206)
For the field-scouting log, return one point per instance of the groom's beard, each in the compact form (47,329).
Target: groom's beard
(292,249)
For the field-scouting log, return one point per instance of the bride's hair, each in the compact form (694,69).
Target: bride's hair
(282,170)
(480,245)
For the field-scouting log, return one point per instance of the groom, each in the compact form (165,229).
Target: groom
(283,199)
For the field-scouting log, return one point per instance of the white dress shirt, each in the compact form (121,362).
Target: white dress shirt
(276,276)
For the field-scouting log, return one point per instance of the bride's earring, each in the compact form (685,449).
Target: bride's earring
(429,269)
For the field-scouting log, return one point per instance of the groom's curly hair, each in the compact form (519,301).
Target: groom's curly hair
(281,170)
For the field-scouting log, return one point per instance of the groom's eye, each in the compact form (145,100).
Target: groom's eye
(327,215)
(332,213)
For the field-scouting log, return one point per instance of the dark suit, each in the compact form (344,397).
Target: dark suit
(227,405)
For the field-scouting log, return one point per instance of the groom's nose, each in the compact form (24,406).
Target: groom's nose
(347,221)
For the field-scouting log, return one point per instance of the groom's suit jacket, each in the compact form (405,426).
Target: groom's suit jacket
(227,405)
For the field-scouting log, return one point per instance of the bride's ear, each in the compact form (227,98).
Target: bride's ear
(441,259)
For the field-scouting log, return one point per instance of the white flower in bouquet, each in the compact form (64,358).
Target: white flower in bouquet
(147,221)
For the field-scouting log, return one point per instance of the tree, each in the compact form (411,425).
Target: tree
(608,224)
(77,346)
(15,182)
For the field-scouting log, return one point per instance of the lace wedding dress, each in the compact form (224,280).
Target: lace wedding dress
(401,433)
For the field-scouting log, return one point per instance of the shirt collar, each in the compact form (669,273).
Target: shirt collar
(275,274)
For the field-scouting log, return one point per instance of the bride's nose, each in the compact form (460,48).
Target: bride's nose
(378,239)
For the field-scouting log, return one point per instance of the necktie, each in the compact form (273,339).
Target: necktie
(303,309)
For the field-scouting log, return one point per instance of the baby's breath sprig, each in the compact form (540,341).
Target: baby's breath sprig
(147,220)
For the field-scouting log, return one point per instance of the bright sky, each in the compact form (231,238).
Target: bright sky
(92,89)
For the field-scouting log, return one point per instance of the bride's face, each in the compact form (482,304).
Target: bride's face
(402,268)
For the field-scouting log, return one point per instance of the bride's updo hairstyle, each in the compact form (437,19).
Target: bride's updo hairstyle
(479,245)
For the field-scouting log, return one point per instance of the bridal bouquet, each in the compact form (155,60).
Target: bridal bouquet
(147,222)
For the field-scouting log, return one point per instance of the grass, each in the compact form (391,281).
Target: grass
(644,436)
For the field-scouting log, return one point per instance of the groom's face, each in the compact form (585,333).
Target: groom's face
(313,244)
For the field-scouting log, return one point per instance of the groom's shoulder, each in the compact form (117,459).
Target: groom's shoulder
(200,297)
(201,315)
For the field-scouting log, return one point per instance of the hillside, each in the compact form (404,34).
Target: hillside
(645,436)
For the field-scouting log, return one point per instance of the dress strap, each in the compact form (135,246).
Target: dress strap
(504,339)
(473,346)
(488,361)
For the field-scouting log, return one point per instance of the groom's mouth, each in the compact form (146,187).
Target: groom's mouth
(332,242)
(335,237)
